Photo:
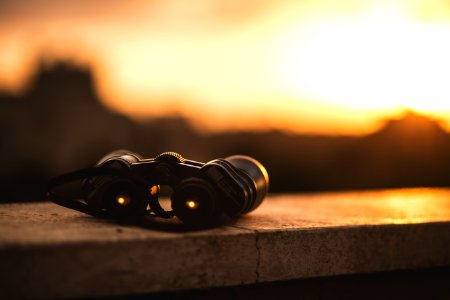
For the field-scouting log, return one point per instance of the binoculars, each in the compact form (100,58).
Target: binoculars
(125,186)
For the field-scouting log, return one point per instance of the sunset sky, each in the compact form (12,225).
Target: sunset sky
(311,66)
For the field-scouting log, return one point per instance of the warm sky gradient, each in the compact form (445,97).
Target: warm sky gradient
(311,66)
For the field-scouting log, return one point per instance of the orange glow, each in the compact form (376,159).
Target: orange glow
(154,190)
(123,200)
(192,204)
(314,66)
(393,206)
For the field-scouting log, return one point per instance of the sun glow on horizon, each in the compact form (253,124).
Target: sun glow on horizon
(311,67)
(381,60)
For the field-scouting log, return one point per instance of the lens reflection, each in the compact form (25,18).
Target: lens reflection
(123,199)
(192,204)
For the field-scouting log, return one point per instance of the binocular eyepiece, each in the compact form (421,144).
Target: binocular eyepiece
(123,185)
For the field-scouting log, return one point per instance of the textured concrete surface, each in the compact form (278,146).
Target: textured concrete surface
(47,251)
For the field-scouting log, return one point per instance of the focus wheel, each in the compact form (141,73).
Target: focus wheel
(171,157)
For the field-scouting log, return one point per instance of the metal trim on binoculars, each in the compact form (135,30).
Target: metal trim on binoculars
(124,186)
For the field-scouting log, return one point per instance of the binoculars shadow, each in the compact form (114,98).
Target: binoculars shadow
(155,223)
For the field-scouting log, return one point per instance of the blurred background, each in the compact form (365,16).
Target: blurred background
(328,95)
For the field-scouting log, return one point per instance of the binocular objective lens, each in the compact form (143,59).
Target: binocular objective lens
(123,198)
(194,201)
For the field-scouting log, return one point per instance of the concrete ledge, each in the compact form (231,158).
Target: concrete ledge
(47,251)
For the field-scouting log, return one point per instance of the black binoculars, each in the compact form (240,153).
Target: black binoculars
(125,186)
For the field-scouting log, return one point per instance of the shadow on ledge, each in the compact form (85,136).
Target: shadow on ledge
(411,284)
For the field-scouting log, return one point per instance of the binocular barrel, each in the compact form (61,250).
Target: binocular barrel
(221,189)
(256,172)
(203,193)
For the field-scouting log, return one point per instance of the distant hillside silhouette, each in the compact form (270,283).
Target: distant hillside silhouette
(59,125)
